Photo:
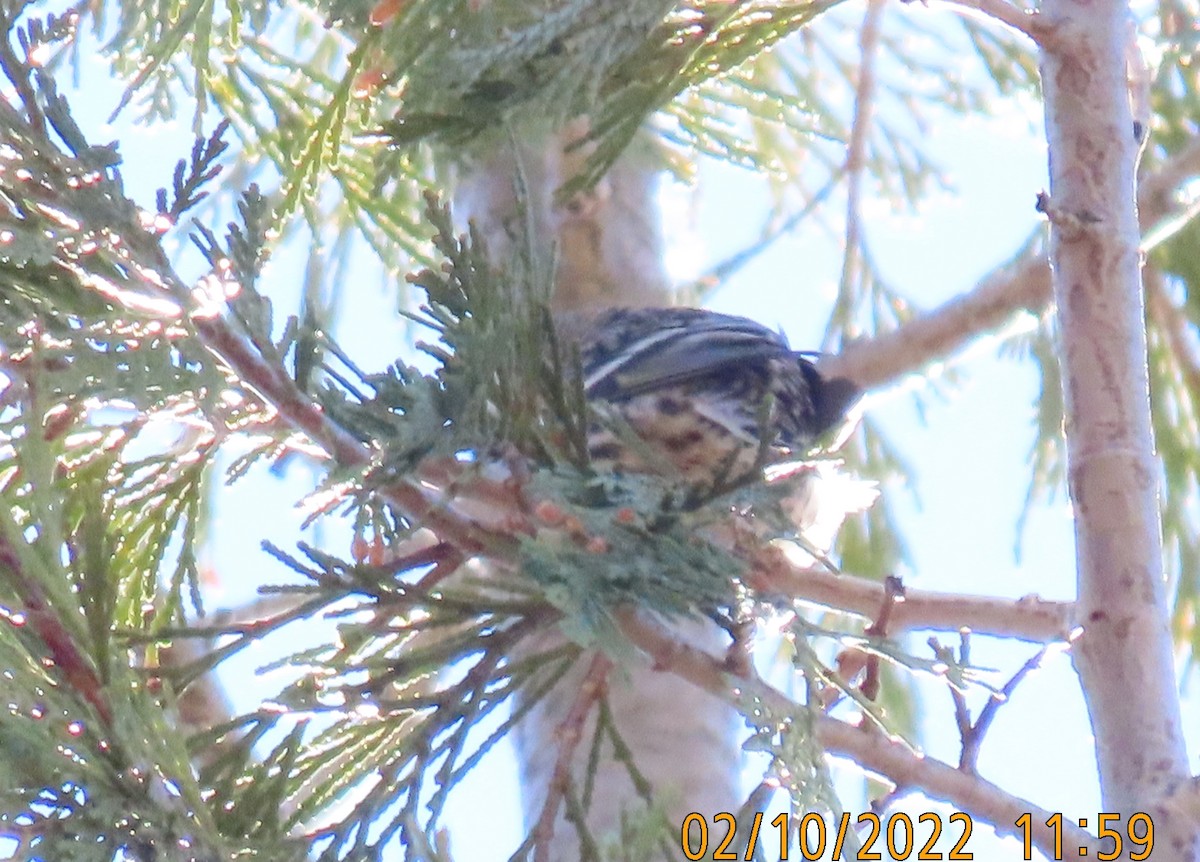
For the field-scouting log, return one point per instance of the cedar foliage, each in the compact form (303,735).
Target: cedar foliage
(119,396)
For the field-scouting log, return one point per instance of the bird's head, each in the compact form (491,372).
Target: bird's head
(833,401)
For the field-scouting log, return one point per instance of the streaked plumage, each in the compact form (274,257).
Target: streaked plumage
(694,384)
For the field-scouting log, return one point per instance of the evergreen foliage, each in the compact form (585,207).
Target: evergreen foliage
(124,383)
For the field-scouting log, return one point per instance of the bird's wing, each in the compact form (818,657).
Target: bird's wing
(671,354)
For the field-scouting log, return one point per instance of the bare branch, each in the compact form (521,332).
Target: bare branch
(1028,618)
(277,389)
(970,754)
(890,356)
(1019,286)
(874,751)
(972,734)
(982,799)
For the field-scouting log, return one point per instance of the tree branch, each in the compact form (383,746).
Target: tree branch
(432,508)
(872,750)
(64,657)
(1028,618)
(1022,285)
(569,734)
(1175,815)
(18,72)
(1124,654)
(493,522)
(973,733)
(889,356)
(856,148)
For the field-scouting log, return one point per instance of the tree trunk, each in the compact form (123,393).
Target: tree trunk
(1123,654)
(609,248)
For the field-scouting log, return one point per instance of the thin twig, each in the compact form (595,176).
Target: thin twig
(894,593)
(1173,323)
(962,715)
(568,734)
(276,387)
(969,759)
(856,148)
(723,270)
(893,597)
(875,752)
(64,656)
(17,71)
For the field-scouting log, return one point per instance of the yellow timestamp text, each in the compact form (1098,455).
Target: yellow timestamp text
(898,834)
(1138,832)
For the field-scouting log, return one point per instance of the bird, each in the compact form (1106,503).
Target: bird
(703,392)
